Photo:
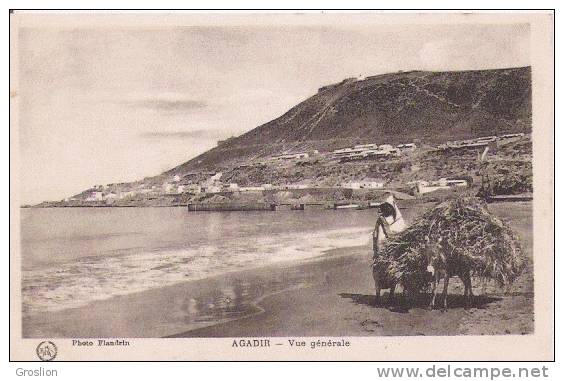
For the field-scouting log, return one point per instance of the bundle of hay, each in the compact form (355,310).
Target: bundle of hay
(471,236)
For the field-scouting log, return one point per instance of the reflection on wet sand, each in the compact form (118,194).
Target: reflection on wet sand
(238,298)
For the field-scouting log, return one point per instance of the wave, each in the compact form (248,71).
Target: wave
(71,285)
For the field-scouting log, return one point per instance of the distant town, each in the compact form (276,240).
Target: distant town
(183,189)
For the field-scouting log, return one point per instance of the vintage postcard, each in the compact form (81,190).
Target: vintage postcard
(281,186)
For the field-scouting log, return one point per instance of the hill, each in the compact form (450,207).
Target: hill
(428,108)
(392,108)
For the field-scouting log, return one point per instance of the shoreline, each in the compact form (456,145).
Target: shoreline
(273,278)
(275,206)
(326,295)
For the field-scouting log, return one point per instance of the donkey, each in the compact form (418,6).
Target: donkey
(442,264)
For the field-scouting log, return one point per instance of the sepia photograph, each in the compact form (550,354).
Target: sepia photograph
(298,184)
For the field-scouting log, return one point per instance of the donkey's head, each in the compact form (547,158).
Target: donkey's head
(433,255)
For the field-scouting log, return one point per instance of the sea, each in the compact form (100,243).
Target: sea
(74,256)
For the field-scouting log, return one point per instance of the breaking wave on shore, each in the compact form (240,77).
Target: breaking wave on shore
(77,283)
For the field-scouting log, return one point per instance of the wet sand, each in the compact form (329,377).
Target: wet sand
(193,304)
(330,295)
(341,303)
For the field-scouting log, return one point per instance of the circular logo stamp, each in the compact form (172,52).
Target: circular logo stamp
(46,351)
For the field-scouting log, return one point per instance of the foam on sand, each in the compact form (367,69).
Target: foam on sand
(75,284)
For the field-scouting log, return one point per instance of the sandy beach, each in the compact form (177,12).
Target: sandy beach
(293,299)
(346,287)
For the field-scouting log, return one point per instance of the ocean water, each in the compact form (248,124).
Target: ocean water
(74,256)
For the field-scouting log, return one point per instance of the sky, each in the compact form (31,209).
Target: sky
(109,104)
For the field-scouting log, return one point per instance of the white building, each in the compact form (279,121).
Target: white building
(193,188)
(443,183)
(233,186)
(168,188)
(291,156)
(470,143)
(347,151)
(95,196)
(351,185)
(123,195)
(251,189)
(176,178)
(386,147)
(368,183)
(355,156)
(297,186)
(457,183)
(377,152)
(418,182)
(371,184)
(509,136)
(366,146)
(422,189)
(212,189)
(216,177)
(406,147)
(487,138)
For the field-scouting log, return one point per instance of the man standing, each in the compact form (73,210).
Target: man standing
(389,221)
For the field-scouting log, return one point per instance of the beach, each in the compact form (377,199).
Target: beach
(326,295)
(341,303)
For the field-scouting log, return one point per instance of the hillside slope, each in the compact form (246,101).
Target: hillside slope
(428,108)
(389,108)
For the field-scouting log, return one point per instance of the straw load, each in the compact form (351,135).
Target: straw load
(472,239)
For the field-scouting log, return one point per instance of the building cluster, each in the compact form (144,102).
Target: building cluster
(294,156)
(123,191)
(215,185)
(367,183)
(175,185)
(365,151)
(481,142)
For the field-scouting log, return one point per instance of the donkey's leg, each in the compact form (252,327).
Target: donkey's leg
(465,288)
(467,280)
(445,290)
(391,296)
(434,287)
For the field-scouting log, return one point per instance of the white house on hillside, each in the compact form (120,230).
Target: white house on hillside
(367,183)
(95,196)
(407,147)
(351,185)
(167,188)
(370,183)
